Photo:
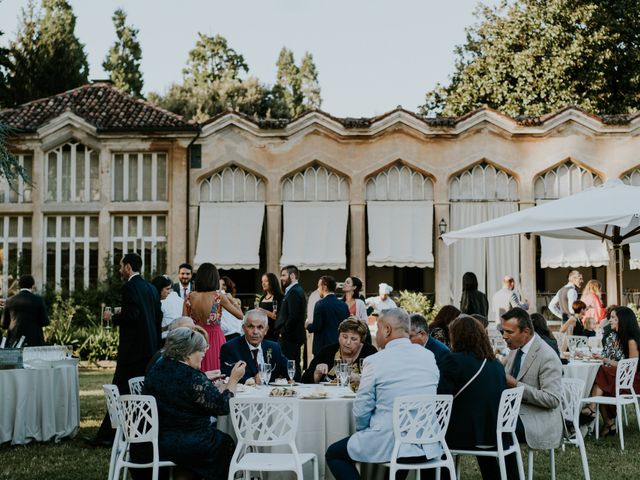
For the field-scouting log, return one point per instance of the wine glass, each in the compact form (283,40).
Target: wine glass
(344,373)
(291,369)
(275,307)
(265,373)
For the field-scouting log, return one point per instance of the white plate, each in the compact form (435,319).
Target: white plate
(329,384)
(312,396)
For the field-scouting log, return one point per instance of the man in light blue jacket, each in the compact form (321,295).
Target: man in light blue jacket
(400,368)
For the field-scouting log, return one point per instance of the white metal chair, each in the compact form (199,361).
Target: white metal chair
(111,396)
(135,385)
(139,422)
(508,411)
(421,420)
(625,373)
(571,403)
(267,422)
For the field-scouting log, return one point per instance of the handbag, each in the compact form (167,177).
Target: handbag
(470,380)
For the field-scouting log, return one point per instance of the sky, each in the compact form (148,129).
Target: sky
(371,55)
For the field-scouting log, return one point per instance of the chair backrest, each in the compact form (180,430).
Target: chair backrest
(264,421)
(508,410)
(625,374)
(111,396)
(577,341)
(421,419)
(571,399)
(135,385)
(139,418)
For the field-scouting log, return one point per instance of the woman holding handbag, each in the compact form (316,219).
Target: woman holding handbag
(476,379)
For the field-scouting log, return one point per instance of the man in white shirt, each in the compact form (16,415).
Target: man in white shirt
(561,305)
(506,298)
(382,302)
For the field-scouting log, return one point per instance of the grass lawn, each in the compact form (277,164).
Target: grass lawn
(72,460)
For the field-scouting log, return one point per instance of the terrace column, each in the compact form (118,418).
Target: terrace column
(358,253)
(441,252)
(274,238)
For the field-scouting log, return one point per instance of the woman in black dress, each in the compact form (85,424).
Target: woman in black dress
(186,400)
(472,300)
(269,302)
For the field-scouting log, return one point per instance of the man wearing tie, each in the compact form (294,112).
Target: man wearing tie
(253,349)
(534,365)
(184,285)
(290,321)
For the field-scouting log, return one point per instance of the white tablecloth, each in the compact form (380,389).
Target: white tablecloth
(39,404)
(584,371)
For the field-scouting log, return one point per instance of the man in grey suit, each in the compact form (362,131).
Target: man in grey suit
(534,365)
(385,377)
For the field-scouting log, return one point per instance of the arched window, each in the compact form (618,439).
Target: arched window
(73,174)
(632,178)
(315,183)
(399,182)
(566,179)
(232,184)
(483,182)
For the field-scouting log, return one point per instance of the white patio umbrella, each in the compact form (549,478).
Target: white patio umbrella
(610,211)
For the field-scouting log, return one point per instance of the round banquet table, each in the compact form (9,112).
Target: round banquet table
(584,371)
(39,404)
(321,423)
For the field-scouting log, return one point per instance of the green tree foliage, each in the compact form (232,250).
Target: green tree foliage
(9,166)
(5,64)
(123,59)
(530,57)
(211,60)
(309,84)
(46,56)
(297,89)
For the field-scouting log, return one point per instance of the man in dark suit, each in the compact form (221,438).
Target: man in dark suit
(24,315)
(420,335)
(253,349)
(291,314)
(185,281)
(139,322)
(328,313)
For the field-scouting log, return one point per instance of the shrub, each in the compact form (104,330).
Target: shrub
(416,302)
(61,329)
(99,344)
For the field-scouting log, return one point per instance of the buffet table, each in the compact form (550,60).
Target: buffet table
(41,403)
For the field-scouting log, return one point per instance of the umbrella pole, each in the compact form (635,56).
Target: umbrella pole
(619,258)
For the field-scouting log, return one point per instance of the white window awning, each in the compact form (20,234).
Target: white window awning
(229,234)
(560,252)
(400,233)
(315,235)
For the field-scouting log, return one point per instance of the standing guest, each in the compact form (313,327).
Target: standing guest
(439,328)
(290,322)
(476,379)
(385,377)
(139,322)
(229,287)
(253,349)
(205,306)
(383,301)
(328,313)
(592,297)
(270,301)
(185,283)
(231,326)
(505,299)
(350,348)
(623,342)
(534,365)
(561,305)
(351,288)
(542,330)
(574,325)
(420,335)
(170,303)
(186,400)
(25,314)
(472,300)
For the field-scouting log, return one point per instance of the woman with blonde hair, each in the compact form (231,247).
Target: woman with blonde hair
(591,296)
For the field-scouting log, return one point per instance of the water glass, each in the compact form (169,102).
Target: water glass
(265,373)
(291,369)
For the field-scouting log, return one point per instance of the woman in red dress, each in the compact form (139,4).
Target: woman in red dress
(205,306)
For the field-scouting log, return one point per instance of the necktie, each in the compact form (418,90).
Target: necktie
(515,369)
(184,293)
(254,352)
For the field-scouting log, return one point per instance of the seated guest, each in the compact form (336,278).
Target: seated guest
(575,323)
(253,349)
(439,328)
(350,348)
(476,379)
(534,365)
(420,335)
(623,342)
(328,313)
(401,368)
(542,330)
(484,321)
(186,400)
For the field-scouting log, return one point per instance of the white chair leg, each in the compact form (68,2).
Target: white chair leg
(520,465)
(620,428)
(552,461)
(530,464)
(597,421)
(437,474)
(637,408)
(583,456)
(626,419)
(457,464)
(502,466)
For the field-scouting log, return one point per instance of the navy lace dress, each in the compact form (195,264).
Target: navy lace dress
(186,402)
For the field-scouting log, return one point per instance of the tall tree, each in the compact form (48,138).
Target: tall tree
(309,84)
(123,59)
(287,89)
(9,166)
(212,59)
(530,57)
(47,56)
